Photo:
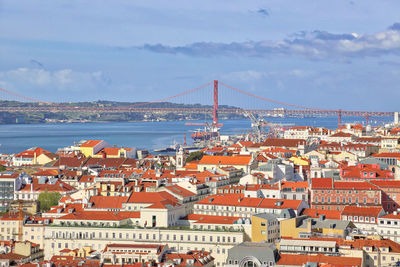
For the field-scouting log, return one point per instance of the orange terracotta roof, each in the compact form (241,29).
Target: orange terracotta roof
(46,173)
(225,160)
(239,200)
(315,213)
(101,215)
(327,183)
(342,134)
(91,143)
(387,184)
(211,219)
(386,155)
(151,197)
(191,166)
(362,211)
(392,216)
(280,142)
(301,260)
(87,179)
(180,191)
(30,153)
(294,185)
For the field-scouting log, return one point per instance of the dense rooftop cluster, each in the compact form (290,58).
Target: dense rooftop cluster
(306,196)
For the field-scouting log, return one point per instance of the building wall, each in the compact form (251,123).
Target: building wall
(218,243)
(9,230)
(288,228)
(34,233)
(263,230)
(389,228)
(335,199)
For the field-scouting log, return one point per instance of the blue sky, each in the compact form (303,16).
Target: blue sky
(329,54)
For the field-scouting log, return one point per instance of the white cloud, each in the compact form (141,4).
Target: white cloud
(312,45)
(33,81)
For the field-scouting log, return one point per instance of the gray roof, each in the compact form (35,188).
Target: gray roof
(332,173)
(284,214)
(326,223)
(267,216)
(263,252)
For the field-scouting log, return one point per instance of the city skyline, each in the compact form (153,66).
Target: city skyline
(333,55)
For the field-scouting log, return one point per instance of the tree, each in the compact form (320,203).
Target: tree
(48,199)
(2,168)
(197,155)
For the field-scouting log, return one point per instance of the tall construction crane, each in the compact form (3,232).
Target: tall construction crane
(257,124)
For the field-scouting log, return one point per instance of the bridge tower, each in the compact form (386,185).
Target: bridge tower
(215,106)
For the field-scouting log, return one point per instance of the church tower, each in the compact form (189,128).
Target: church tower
(180,158)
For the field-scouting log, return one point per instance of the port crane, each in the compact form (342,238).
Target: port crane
(257,124)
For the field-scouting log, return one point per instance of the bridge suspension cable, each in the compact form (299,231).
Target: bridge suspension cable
(23,96)
(268,99)
(170,97)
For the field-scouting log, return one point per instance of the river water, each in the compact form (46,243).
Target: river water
(15,138)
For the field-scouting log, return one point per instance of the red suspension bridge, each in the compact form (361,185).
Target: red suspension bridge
(285,109)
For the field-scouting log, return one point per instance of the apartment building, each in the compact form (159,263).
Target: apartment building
(388,226)
(9,183)
(329,194)
(180,240)
(364,218)
(245,207)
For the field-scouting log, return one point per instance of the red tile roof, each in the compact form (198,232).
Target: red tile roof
(107,162)
(239,200)
(321,183)
(71,162)
(151,197)
(327,183)
(107,202)
(59,186)
(283,142)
